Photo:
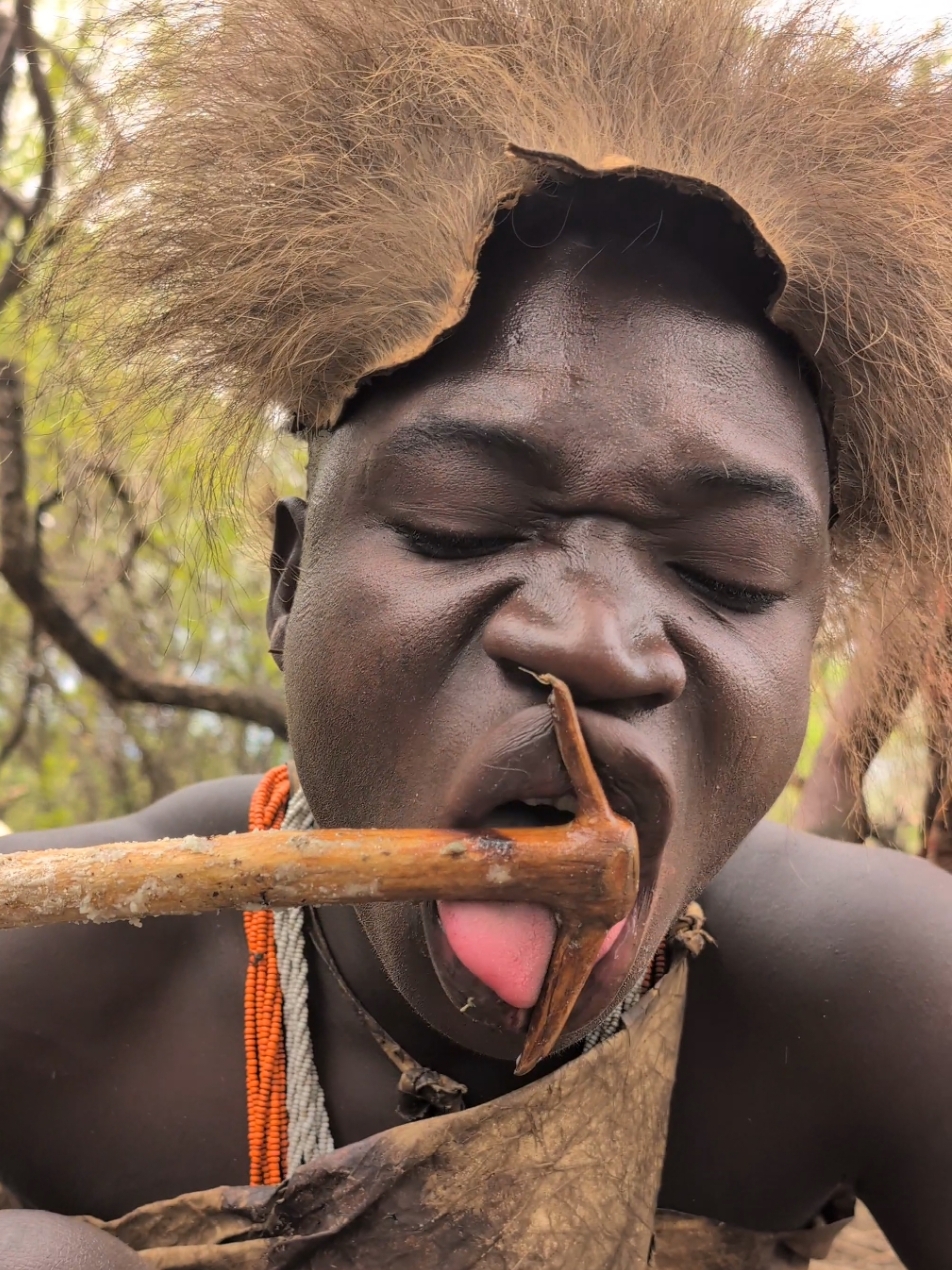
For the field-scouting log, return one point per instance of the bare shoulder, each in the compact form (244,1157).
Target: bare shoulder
(834,912)
(823,1019)
(845,952)
(47,1241)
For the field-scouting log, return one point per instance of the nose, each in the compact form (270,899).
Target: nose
(582,634)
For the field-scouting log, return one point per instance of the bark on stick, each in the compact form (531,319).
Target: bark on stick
(566,866)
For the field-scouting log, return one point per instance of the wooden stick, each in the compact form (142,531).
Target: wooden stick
(586,871)
(279,868)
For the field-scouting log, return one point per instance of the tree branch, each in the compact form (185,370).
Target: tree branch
(13,201)
(21,566)
(8,49)
(45,109)
(138,536)
(77,78)
(18,267)
(34,677)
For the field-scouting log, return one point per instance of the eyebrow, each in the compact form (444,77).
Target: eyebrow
(509,448)
(753,483)
(503,446)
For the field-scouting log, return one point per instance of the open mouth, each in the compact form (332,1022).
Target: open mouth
(508,946)
(492,957)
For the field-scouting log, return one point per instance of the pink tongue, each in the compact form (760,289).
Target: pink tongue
(507,946)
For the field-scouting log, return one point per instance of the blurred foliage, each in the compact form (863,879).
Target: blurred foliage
(152,574)
(133,558)
(896,783)
(829,680)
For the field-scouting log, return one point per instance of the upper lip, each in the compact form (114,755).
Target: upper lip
(519,760)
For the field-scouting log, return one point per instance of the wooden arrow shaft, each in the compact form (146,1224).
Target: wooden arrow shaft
(554,865)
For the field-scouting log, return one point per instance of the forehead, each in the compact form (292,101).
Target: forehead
(618,359)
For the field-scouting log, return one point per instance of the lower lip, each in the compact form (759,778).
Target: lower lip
(479,1003)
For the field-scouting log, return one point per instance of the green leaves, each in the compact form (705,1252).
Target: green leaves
(170,584)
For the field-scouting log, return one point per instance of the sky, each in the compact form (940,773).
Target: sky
(901,15)
(916,14)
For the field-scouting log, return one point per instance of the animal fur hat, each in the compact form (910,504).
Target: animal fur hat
(301,194)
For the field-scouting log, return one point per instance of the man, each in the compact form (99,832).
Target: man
(681,418)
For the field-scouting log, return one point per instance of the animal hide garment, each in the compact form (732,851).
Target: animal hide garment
(562,1174)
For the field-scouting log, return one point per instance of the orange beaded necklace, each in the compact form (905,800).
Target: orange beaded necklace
(266,1074)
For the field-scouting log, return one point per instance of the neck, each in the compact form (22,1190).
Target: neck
(485,1078)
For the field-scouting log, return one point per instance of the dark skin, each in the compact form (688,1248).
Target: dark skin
(615,474)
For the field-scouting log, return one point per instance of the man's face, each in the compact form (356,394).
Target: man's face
(608,473)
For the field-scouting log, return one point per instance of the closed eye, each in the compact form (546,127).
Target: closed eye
(446,545)
(735,596)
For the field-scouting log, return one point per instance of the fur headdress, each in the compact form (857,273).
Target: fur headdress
(306,184)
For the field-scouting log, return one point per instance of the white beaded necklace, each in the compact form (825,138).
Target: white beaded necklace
(309,1131)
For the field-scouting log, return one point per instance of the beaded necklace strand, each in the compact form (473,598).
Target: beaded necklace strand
(287,1115)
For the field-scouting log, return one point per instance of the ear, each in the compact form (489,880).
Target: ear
(289,517)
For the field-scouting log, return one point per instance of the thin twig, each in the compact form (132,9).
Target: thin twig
(18,266)
(139,535)
(21,566)
(11,795)
(76,77)
(34,677)
(14,202)
(45,109)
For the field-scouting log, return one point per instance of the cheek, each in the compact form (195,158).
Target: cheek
(754,722)
(339,684)
(377,627)
(370,646)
